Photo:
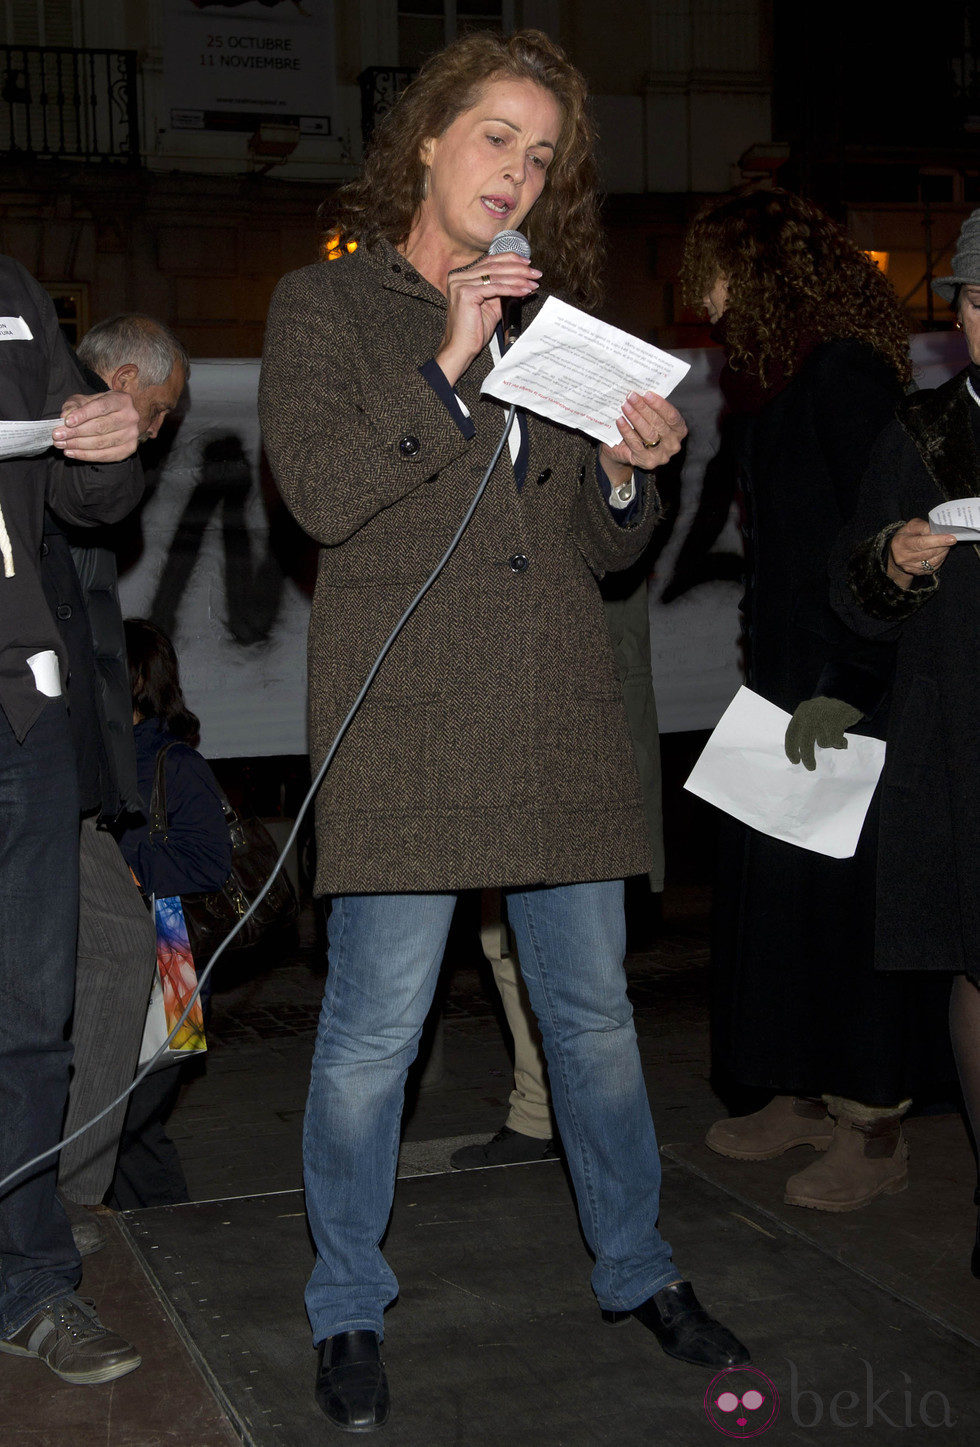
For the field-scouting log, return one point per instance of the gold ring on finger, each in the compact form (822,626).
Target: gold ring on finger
(926,566)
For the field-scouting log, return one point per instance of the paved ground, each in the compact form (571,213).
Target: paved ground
(868,1322)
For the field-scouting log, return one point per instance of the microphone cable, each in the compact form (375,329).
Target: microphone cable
(310,794)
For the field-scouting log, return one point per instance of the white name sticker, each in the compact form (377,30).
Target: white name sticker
(15,329)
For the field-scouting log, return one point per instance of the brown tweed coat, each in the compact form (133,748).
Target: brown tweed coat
(492,748)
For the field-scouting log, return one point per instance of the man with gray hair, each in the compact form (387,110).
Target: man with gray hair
(136,354)
(116,959)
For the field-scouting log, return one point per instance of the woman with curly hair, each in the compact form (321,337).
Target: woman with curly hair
(492,749)
(817,351)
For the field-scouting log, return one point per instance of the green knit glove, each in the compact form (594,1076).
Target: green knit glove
(818,721)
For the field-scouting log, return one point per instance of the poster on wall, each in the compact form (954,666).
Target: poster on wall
(231,64)
(214,558)
(216,561)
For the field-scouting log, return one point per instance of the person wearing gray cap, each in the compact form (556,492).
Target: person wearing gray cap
(894,577)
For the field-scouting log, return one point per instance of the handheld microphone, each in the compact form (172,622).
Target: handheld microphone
(510,306)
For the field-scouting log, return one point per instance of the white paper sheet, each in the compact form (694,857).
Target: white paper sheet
(47,674)
(744,771)
(26,439)
(960,516)
(574,369)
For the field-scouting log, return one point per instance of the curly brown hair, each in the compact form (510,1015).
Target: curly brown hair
(563,227)
(794,278)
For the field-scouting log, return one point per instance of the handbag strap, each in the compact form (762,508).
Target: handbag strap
(158,797)
(158,803)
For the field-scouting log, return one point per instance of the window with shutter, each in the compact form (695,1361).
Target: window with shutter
(425,26)
(36,22)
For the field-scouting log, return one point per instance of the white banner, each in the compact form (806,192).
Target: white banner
(230,64)
(214,558)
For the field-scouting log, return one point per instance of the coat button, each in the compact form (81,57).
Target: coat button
(64,611)
(518,563)
(396,267)
(44,550)
(409,445)
(543,476)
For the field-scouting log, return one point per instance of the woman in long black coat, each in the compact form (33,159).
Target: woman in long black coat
(897,580)
(818,354)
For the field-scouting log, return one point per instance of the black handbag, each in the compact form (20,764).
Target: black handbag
(209,917)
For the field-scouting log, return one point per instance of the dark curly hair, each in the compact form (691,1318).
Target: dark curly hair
(563,227)
(794,278)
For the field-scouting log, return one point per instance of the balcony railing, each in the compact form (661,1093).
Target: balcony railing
(71,105)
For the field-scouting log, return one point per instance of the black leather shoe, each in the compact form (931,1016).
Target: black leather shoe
(351,1386)
(507,1148)
(684,1329)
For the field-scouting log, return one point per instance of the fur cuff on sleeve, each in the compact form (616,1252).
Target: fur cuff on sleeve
(874,591)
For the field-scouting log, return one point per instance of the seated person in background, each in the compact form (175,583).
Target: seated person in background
(193,857)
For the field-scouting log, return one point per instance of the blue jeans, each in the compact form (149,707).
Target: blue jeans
(38,923)
(384,957)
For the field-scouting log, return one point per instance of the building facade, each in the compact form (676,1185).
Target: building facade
(172,156)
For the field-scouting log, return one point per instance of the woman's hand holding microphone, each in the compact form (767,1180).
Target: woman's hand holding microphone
(473,294)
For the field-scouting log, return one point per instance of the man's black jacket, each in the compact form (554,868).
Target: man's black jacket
(37,374)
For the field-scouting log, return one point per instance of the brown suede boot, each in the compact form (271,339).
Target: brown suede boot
(868,1157)
(785,1122)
